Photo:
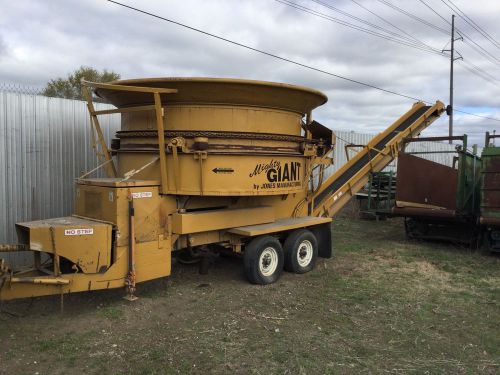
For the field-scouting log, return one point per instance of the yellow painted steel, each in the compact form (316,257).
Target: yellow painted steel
(152,262)
(44,281)
(235,92)
(279,226)
(204,161)
(62,236)
(210,220)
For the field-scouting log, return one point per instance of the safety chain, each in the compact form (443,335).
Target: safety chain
(210,134)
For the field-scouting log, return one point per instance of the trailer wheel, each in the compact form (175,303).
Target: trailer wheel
(301,251)
(263,260)
(416,229)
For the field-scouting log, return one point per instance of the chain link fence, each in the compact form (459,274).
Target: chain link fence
(20,89)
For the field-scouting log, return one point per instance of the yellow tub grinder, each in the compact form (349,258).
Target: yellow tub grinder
(200,166)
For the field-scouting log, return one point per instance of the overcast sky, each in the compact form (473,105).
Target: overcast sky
(40,40)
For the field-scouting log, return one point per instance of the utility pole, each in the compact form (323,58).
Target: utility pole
(449,108)
(452,57)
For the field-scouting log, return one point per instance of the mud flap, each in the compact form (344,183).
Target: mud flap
(323,233)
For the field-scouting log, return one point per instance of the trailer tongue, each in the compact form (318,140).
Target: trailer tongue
(201,166)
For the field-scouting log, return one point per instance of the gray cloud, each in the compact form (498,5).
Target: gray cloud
(50,39)
(3,48)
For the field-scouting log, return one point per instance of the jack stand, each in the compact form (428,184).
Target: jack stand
(205,260)
(204,264)
(130,287)
(130,280)
(130,296)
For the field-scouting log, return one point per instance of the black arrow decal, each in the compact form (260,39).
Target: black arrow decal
(223,170)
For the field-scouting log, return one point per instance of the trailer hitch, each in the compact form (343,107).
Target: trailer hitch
(5,271)
(7,248)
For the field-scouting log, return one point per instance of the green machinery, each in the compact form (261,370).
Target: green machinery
(460,202)
(378,197)
(489,209)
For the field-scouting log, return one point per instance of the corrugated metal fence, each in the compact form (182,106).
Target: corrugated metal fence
(344,138)
(46,142)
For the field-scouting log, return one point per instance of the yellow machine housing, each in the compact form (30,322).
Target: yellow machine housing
(200,166)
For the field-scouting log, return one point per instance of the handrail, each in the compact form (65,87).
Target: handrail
(104,156)
(111,86)
(157,107)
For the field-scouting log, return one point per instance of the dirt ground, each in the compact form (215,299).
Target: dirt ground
(382,304)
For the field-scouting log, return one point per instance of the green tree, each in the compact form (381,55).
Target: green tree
(71,88)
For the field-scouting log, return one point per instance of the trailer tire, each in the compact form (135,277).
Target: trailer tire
(301,251)
(263,260)
(185,257)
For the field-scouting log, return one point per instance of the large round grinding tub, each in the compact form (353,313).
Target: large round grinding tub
(222,136)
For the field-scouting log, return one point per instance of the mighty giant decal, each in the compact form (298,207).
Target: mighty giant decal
(278,174)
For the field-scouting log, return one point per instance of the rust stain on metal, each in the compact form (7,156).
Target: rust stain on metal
(425,182)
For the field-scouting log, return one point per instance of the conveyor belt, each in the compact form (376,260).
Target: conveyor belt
(369,154)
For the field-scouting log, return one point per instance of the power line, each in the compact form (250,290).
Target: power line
(390,23)
(476,115)
(446,45)
(478,74)
(470,67)
(483,49)
(471,22)
(421,20)
(360,20)
(474,70)
(409,38)
(470,43)
(483,72)
(432,9)
(284,58)
(486,55)
(264,52)
(491,57)
(480,47)
(352,26)
(493,61)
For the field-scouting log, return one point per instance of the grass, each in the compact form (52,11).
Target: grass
(68,346)
(382,304)
(112,312)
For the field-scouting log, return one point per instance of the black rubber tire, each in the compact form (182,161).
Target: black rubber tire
(185,257)
(293,245)
(252,258)
(416,229)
